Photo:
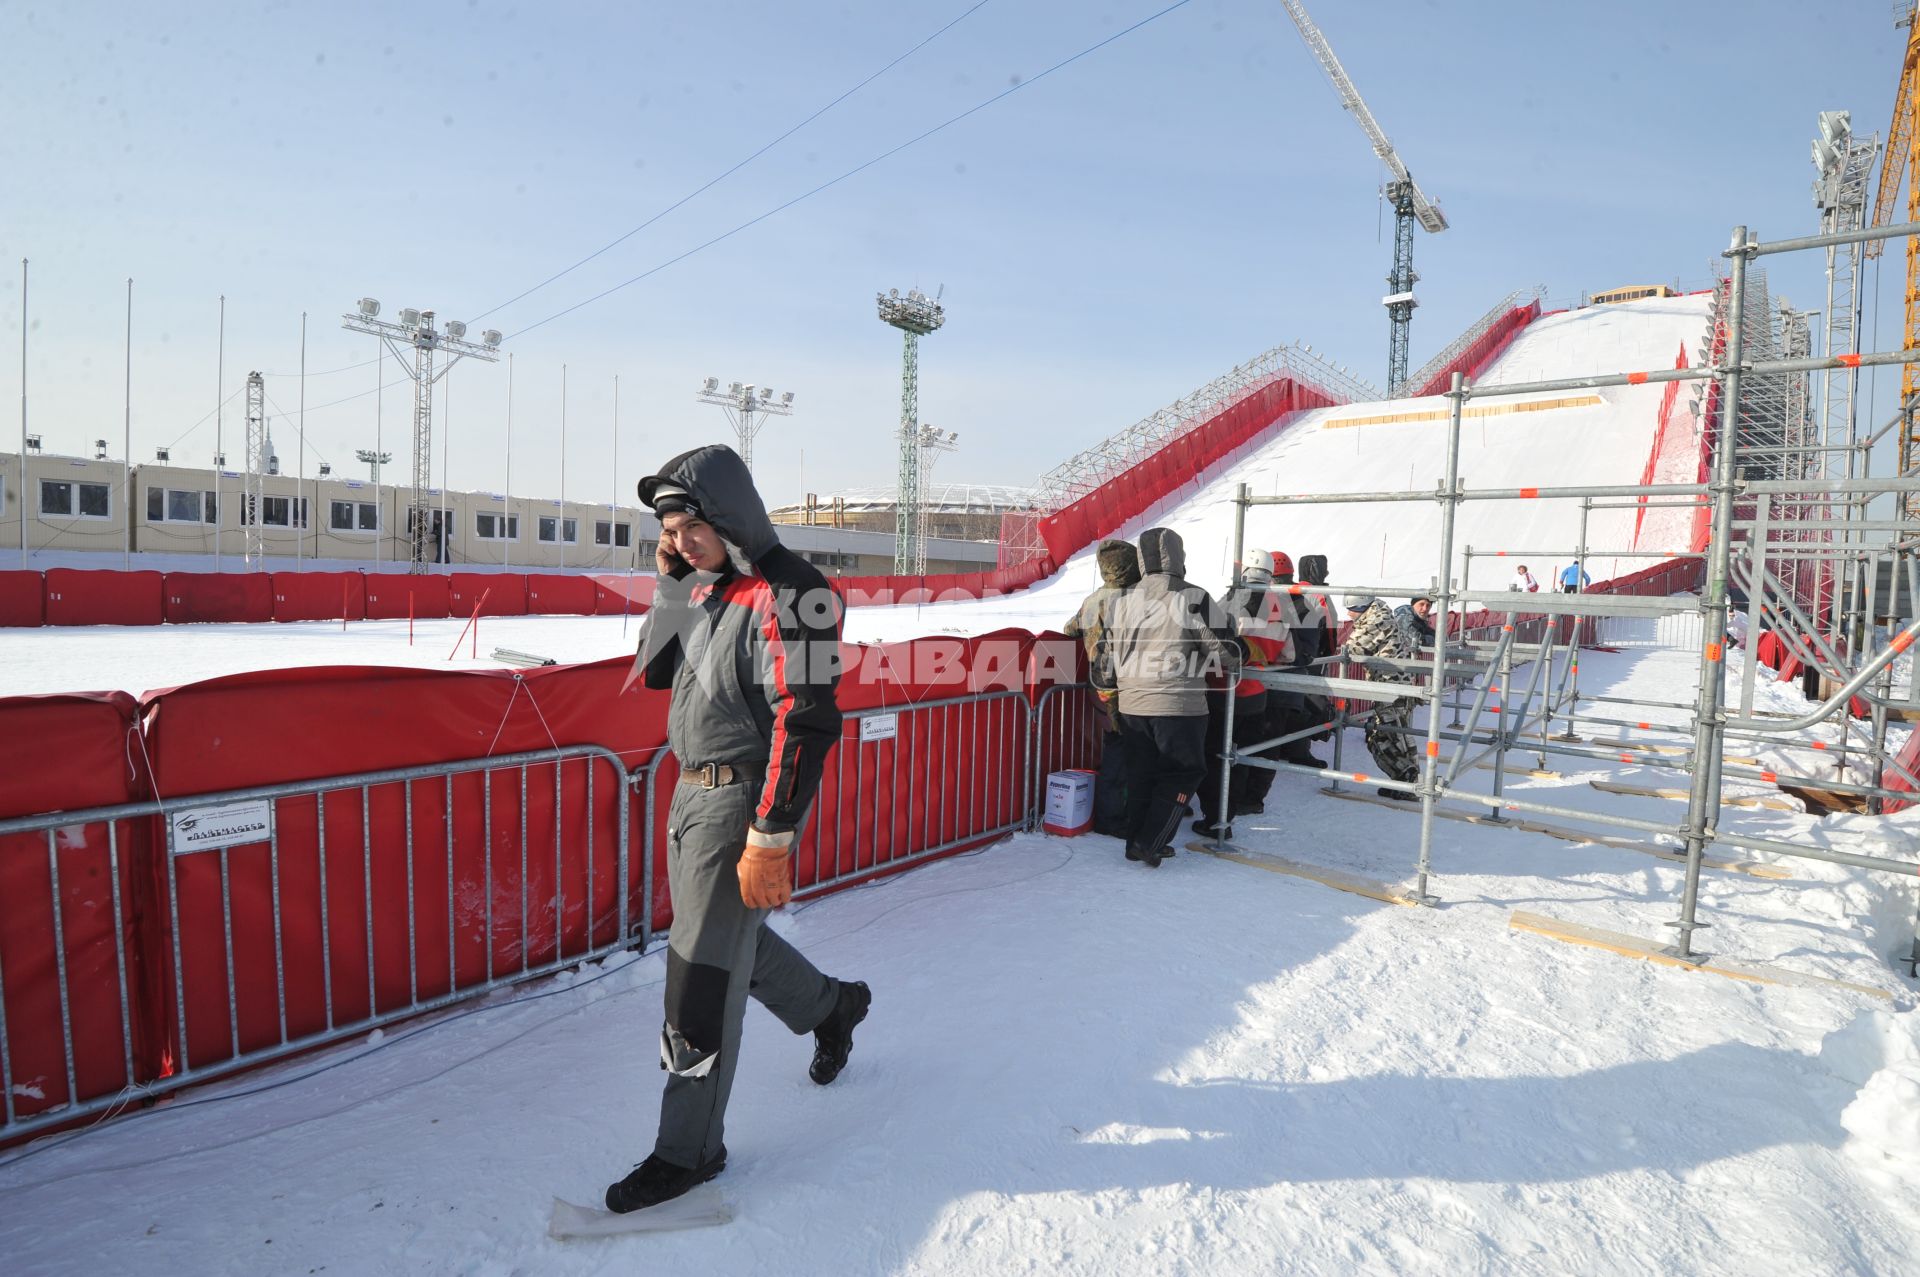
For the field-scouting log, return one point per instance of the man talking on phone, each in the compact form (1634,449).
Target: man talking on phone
(746,634)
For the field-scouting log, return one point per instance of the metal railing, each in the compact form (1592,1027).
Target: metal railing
(349,902)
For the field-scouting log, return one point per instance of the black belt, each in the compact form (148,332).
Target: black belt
(715,775)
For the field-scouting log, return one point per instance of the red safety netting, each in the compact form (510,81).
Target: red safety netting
(395,596)
(1182,460)
(1678,455)
(23,599)
(76,596)
(1490,345)
(319,596)
(67,753)
(218,596)
(560,595)
(505,593)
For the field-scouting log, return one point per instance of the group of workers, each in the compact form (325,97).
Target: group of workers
(1166,660)
(1571,580)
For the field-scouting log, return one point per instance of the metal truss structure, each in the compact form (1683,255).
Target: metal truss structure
(1770,516)
(1085,471)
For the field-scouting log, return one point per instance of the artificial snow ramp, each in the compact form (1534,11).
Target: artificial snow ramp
(1611,435)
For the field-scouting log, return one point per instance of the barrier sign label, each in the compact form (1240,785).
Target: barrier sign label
(227,825)
(879,727)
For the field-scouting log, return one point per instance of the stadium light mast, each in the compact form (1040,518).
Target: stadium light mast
(373,461)
(1410,203)
(915,315)
(747,407)
(253,495)
(931,444)
(416,330)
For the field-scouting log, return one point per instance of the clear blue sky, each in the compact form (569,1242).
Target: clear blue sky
(1109,238)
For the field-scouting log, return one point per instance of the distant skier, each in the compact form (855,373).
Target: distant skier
(1378,630)
(1574,578)
(1524,581)
(746,633)
(1119,570)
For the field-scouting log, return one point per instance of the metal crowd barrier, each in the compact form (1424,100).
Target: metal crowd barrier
(281,918)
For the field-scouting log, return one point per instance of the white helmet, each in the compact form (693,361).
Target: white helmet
(1259,568)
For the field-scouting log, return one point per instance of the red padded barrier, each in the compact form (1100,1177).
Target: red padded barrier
(23,599)
(1490,345)
(221,735)
(505,593)
(618,593)
(390,594)
(560,595)
(218,596)
(64,753)
(319,596)
(78,596)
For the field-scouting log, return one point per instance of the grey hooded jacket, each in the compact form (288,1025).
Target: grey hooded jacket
(1167,636)
(752,655)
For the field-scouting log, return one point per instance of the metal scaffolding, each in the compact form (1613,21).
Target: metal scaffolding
(1773,514)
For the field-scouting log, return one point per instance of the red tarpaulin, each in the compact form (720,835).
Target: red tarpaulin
(68,753)
(319,596)
(389,594)
(550,595)
(218,596)
(94,597)
(231,733)
(615,594)
(505,593)
(23,600)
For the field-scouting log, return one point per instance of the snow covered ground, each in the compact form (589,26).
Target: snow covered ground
(1077,1065)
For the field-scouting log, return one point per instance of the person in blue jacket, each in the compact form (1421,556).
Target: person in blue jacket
(1574,578)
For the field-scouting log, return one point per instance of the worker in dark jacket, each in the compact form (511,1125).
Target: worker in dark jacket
(1168,639)
(1259,617)
(746,634)
(1119,571)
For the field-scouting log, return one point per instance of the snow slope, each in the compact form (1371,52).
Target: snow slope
(1077,1065)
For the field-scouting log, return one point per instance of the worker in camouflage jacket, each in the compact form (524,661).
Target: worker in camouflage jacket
(1378,631)
(1119,571)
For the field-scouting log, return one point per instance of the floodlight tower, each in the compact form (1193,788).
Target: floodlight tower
(259,462)
(915,315)
(931,444)
(373,460)
(747,407)
(1845,167)
(416,330)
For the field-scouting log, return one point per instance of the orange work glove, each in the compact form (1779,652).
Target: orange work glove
(766,870)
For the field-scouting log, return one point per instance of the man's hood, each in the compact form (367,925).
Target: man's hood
(1161,550)
(722,486)
(1119,564)
(1313,569)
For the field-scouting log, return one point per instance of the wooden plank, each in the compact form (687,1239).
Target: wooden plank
(1680,795)
(1671,751)
(1631,946)
(1751,868)
(1334,878)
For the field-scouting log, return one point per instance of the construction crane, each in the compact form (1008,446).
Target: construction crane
(1410,203)
(1900,162)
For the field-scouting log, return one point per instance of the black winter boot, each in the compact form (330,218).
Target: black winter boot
(833,1040)
(1142,854)
(655,1181)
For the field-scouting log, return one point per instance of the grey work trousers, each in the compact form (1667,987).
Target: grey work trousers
(718,952)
